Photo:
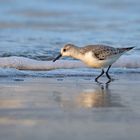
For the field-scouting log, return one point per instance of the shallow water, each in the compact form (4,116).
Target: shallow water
(69,108)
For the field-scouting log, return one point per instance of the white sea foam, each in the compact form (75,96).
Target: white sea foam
(25,67)
(22,63)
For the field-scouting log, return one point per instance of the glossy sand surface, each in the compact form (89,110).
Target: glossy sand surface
(69,108)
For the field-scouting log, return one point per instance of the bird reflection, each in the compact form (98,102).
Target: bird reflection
(99,96)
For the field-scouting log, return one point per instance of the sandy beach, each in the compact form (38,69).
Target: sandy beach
(70,108)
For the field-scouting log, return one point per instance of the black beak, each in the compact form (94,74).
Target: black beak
(57,57)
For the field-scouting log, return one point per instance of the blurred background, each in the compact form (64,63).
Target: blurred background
(39,28)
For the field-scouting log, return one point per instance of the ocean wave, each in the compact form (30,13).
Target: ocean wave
(25,67)
(22,63)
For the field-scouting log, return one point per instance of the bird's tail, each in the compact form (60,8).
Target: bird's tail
(129,48)
(122,50)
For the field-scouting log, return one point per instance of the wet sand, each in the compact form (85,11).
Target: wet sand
(70,108)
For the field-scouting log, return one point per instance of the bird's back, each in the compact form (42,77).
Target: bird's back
(103,52)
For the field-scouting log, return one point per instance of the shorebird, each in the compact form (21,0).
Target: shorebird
(95,56)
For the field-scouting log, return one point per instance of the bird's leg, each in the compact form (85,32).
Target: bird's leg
(96,79)
(108,76)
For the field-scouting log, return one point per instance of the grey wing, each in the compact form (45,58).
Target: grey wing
(101,52)
(104,52)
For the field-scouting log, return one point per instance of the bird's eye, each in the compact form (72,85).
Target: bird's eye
(64,50)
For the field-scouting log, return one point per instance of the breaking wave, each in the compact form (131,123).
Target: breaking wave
(21,66)
(22,63)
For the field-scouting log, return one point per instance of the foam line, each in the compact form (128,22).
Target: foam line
(22,63)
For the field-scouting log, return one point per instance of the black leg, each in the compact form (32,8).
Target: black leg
(96,79)
(108,76)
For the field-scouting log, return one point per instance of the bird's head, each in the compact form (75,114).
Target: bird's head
(67,50)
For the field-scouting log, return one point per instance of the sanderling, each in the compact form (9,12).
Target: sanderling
(95,56)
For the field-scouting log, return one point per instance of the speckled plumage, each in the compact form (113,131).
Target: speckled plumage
(103,52)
